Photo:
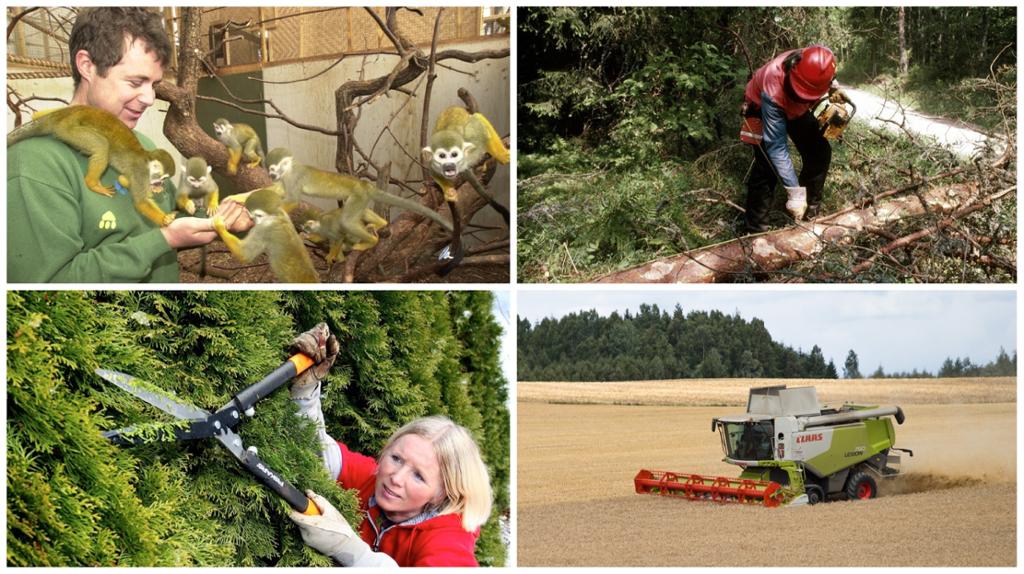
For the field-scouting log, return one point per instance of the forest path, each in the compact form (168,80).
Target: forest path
(955,136)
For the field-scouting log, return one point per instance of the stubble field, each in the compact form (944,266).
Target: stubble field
(580,444)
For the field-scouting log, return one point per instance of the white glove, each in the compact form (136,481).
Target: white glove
(309,407)
(330,534)
(320,345)
(796,205)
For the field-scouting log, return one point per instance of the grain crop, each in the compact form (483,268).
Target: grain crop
(711,392)
(954,504)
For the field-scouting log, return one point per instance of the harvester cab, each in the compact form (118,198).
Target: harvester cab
(793,451)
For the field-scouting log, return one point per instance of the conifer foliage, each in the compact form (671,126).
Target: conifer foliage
(74,499)
(654,344)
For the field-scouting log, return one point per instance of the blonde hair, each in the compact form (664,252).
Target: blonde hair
(467,486)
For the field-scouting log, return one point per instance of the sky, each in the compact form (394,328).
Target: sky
(500,310)
(898,329)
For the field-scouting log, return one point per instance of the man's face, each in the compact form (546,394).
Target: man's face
(129,86)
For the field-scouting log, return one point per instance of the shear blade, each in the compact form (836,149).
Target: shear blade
(232,442)
(165,403)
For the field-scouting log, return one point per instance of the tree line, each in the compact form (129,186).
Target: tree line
(1003,365)
(652,344)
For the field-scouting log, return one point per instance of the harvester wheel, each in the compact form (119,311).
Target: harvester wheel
(814,494)
(860,486)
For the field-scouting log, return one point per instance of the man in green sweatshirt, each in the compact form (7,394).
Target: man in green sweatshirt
(60,231)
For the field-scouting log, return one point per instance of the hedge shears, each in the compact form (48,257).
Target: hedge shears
(203,424)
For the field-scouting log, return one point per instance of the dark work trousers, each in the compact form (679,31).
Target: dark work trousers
(816,153)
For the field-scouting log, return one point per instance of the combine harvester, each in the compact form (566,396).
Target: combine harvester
(792,452)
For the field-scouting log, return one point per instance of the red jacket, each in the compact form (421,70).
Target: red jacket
(766,90)
(426,540)
(768,80)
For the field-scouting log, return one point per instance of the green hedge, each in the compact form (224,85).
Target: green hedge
(73,499)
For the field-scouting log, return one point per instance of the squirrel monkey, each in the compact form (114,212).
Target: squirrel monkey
(356,195)
(197,183)
(107,141)
(242,143)
(272,233)
(331,227)
(457,144)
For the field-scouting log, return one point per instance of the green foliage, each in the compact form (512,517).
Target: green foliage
(653,344)
(1002,366)
(935,39)
(75,499)
(711,367)
(622,79)
(572,227)
(668,106)
(470,313)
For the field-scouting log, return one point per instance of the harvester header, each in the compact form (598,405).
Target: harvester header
(792,451)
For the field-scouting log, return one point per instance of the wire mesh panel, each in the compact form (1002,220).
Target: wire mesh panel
(41,36)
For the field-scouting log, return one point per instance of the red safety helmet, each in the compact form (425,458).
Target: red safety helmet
(812,75)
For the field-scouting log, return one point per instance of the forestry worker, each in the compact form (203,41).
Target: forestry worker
(777,103)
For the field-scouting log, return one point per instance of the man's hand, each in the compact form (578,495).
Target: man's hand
(320,345)
(796,202)
(193,231)
(235,216)
(189,232)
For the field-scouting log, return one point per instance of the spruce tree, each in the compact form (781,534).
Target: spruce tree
(830,370)
(851,368)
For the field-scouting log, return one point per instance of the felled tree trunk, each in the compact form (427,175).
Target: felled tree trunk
(779,249)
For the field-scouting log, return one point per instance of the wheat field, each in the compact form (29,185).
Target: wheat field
(954,505)
(712,392)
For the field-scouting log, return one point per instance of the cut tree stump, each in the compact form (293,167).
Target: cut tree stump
(775,250)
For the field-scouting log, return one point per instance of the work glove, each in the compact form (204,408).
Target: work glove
(330,534)
(320,345)
(796,204)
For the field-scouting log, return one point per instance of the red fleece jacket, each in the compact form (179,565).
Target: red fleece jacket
(436,541)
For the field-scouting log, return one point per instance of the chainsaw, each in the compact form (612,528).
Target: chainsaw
(196,423)
(833,115)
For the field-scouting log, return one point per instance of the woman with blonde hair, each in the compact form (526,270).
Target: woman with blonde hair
(423,500)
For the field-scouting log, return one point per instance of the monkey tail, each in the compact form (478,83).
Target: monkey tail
(29,130)
(410,205)
(495,146)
